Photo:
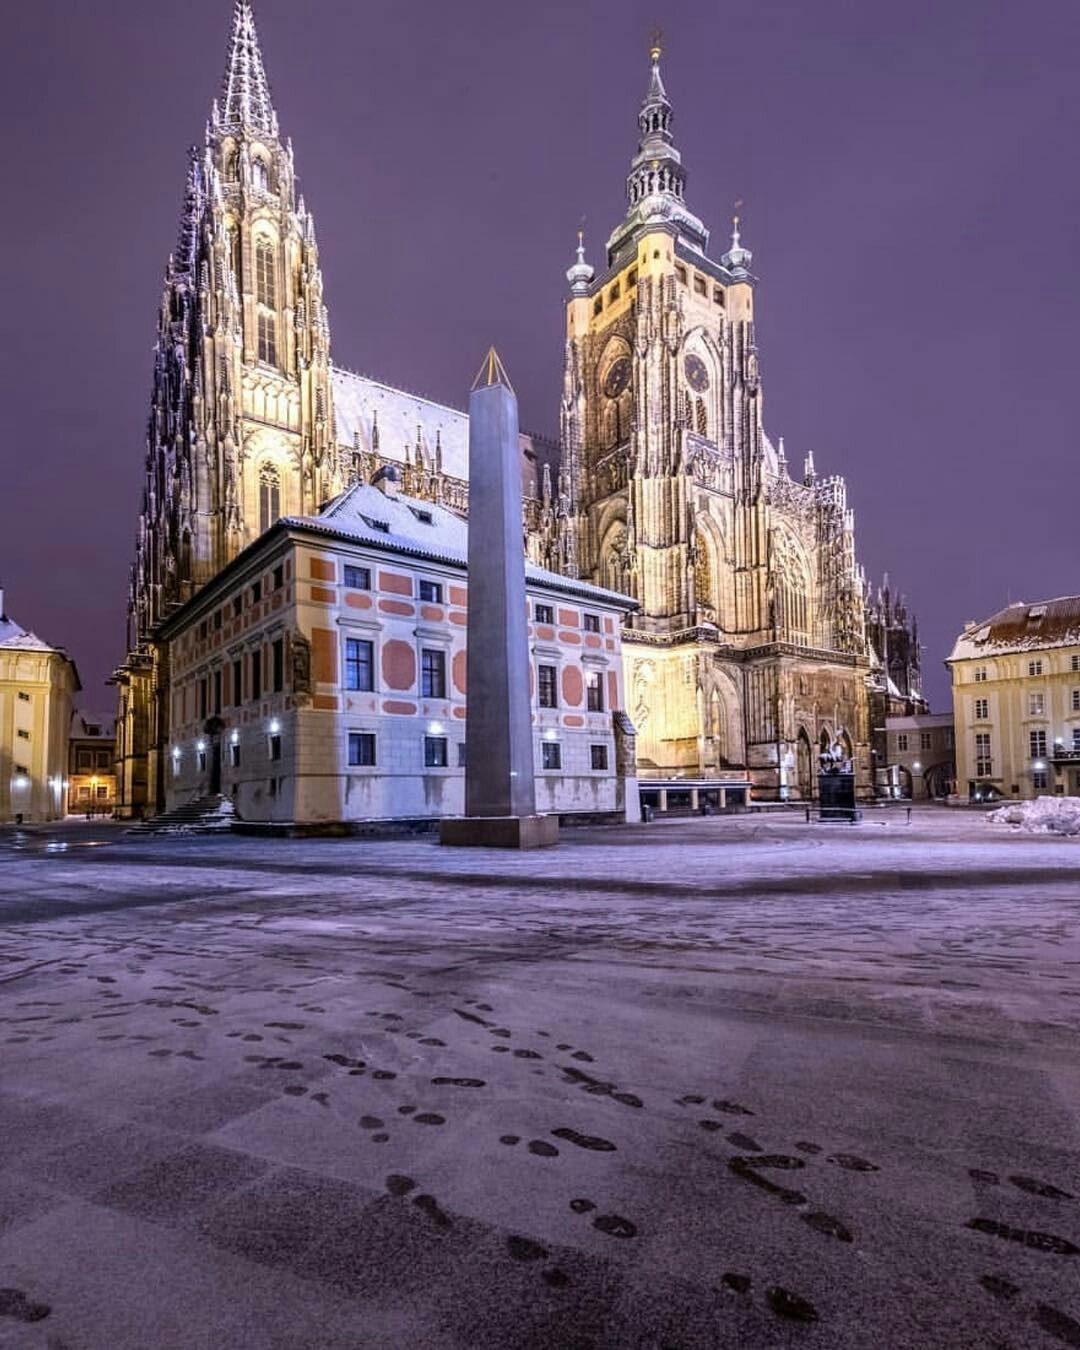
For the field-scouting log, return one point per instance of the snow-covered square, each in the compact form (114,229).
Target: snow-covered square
(716,1082)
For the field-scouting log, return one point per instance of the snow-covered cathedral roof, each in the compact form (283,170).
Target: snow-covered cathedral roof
(397,425)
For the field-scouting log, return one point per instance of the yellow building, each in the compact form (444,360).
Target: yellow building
(1016,701)
(37,682)
(91,771)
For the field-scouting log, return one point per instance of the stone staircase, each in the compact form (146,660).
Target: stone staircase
(204,815)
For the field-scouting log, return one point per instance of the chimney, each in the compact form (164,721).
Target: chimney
(386,480)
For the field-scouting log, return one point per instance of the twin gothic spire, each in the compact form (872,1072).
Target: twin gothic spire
(246,100)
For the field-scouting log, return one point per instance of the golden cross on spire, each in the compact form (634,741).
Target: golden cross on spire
(735,217)
(656,44)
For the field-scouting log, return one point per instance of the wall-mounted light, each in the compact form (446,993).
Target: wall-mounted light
(20,782)
(551,734)
(176,752)
(200,746)
(435,728)
(916,766)
(1039,765)
(275,727)
(235,737)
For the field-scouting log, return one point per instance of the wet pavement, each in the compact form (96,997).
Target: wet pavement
(725,1082)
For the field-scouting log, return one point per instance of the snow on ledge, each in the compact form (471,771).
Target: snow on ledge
(1044,815)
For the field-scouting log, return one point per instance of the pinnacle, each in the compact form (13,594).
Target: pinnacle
(246,93)
(491,372)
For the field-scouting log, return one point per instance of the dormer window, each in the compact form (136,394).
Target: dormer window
(613,294)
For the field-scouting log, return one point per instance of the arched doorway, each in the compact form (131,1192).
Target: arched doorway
(804,765)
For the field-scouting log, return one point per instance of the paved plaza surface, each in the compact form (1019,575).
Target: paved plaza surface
(726,1082)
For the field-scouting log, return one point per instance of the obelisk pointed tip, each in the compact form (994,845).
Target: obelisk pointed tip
(492,371)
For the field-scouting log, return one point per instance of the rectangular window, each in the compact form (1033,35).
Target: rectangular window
(1076,738)
(256,591)
(1076,700)
(699,285)
(1073,665)
(547,686)
(234,754)
(718,296)
(1035,667)
(23,735)
(680,273)
(237,606)
(435,752)
(359,664)
(277,654)
(102,793)
(279,576)
(598,756)
(202,698)
(544,614)
(275,747)
(237,683)
(218,617)
(926,740)
(551,754)
(24,697)
(591,623)
(217,691)
(202,761)
(982,709)
(983,762)
(594,691)
(980,674)
(267,336)
(432,673)
(431,591)
(901,740)
(948,738)
(1038,779)
(256,674)
(1037,744)
(102,759)
(361,749)
(1036,705)
(85,760)
(358,578)
(462,755)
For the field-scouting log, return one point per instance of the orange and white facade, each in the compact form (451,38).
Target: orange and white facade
(320,678)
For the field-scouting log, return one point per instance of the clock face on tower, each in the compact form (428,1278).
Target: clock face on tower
(697,377)
(617,378)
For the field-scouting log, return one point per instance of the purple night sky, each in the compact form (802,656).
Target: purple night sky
(912,201)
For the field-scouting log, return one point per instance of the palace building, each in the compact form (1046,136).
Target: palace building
(745,645)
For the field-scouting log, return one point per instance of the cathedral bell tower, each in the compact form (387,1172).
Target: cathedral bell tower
(661,387)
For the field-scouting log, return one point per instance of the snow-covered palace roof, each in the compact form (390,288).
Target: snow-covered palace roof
(1021,627)
(396,424)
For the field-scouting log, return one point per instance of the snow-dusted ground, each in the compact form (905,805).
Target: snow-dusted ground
(1043,815)
(726,1082)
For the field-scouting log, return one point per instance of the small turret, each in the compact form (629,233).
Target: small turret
(580,274)
(737,258)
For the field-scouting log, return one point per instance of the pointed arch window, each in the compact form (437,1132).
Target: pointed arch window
(267,336)
(269,496)
(265,287)
(260,175)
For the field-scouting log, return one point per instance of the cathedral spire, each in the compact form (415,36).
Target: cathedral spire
(656,183)
(245,99)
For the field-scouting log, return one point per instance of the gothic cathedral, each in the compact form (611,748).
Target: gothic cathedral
(749,653)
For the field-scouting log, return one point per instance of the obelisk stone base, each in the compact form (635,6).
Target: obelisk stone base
(500,831)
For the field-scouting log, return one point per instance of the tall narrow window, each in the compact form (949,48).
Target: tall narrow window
(594,691)
(359,664)
(433,673)
(267,335)
(269,496)
(265,289)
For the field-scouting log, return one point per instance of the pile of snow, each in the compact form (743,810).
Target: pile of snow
(1044,815)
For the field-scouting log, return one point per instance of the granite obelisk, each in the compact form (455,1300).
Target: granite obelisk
(500,794)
